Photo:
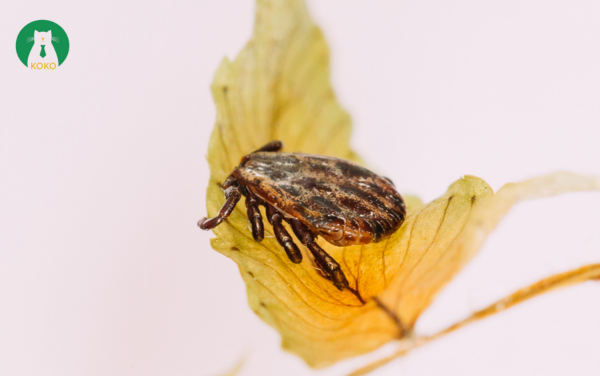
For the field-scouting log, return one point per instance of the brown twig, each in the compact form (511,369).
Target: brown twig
(582,274)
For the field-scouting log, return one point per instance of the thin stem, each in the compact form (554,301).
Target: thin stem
(582,274)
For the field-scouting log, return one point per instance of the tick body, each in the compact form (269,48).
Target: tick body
(339,200)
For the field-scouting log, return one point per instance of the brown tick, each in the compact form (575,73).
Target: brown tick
(341,201)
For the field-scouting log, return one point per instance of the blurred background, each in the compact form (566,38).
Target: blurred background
(103,177)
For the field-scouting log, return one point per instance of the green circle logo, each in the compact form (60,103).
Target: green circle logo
(42,45)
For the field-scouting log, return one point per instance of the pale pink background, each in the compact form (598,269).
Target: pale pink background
(102,179)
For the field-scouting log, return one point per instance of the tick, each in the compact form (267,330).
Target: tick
(316,195)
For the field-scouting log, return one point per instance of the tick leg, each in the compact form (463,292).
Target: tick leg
(330,267)
(229,182)
(258,231)
(271,146)
(233,195)
(283,237)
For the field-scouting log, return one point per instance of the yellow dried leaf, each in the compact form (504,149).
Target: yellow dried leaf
(235,370)
(278,88)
